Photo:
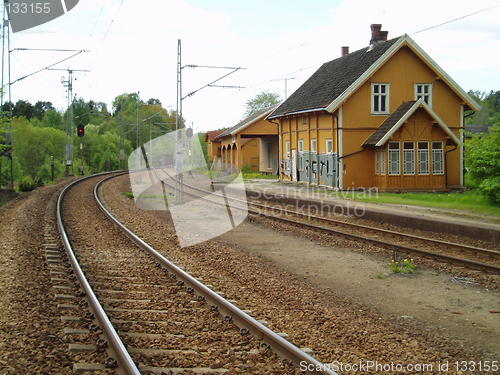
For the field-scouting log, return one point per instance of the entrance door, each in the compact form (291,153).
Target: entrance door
(294,165)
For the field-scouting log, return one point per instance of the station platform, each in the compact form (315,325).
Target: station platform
(315,199)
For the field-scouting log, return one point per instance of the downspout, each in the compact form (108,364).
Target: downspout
(279,145)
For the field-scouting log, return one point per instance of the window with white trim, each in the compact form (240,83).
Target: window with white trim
(329,146)
(380,162)
(423,157)
(313,145)
(301,145)
(287,149)
(424,90)
(437,158)
(394,158)
(380,98)
(305,120)
(377,162)
(409,158)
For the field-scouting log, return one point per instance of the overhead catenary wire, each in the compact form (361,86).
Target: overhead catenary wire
(457,19)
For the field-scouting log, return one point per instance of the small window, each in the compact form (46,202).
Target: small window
(305,120)
(329,146)
(287,149)
(394,158)
(380,98)
(301,145)
(313,145)
(424,90)
(423,157)
(380,162)
(437,158)
(409,158)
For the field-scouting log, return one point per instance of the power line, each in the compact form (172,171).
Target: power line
(456,19)
(112,21)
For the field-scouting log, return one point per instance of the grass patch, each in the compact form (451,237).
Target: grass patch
(253,175)
(471,200)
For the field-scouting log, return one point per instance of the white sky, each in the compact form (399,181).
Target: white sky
(271,39)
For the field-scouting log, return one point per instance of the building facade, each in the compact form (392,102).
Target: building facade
(385,116)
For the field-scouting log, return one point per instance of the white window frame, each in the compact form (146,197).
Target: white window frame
(379,95)
(408,165)
(437,151)
(305,120)
(420,152)
(314,145)
(380,162)
(398,162)
(287,149)
(424,94)
(300,145)
(329,146)
(383,162)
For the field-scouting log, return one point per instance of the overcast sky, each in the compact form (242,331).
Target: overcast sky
(133,46)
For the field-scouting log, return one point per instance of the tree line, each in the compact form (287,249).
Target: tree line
(38,135)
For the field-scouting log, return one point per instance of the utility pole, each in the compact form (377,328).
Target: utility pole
(178,117)
(8,134)
(179,149)
(69,119)
(286,84)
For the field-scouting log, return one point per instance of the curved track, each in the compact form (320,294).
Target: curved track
(156,317)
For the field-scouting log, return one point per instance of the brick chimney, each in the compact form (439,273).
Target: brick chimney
(345,50)
(377,34)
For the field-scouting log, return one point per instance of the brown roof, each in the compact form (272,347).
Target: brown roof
(389,123)
(211,135)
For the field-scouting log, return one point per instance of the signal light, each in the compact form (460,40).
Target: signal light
(80,130)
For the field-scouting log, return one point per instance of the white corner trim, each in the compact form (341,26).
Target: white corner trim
(400,122)
(462,145)
(340,126)
(419,103)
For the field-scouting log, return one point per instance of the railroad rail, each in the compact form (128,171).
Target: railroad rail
(192,287)
(263,210)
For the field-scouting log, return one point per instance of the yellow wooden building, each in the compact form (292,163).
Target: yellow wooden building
(251,144)
(213,146)
(385,116)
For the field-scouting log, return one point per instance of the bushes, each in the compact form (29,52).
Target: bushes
(483,163)
(26,184)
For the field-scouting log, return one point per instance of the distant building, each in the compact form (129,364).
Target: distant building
(385,116)
(475,129)
(252,143)
(213,146)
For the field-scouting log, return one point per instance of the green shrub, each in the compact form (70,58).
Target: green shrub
(483,163)
(26,184)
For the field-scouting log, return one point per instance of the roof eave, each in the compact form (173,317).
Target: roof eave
(295,113)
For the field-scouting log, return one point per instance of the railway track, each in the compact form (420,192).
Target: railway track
(404,244)
(155,317)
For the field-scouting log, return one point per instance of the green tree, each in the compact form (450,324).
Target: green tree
(483,166)
(261,101)
(53,119)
